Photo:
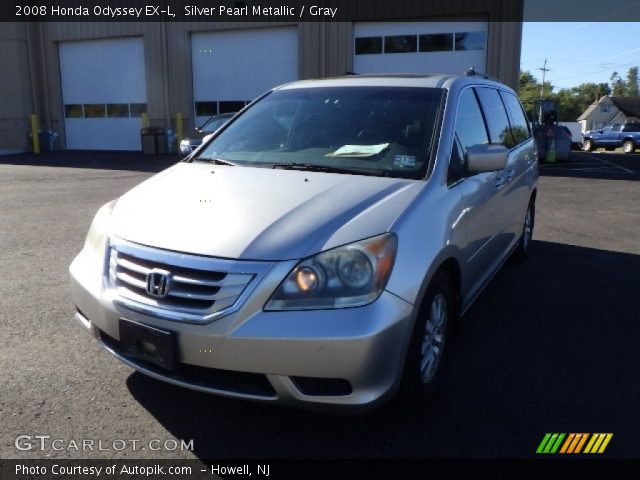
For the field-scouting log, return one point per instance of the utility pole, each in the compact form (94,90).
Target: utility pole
(544,71)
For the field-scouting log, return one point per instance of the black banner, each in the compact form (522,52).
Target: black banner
(314,10)
(50,469)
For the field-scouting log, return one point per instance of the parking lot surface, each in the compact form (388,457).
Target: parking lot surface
(550,346)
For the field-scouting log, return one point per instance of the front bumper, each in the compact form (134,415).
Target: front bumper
(267,356)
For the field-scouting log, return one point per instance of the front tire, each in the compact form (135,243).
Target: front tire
(628,146)
(429,342)
(587,146)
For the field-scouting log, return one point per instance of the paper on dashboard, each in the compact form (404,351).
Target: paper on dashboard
(358,150)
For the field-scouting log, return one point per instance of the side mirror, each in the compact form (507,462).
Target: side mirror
(486,158)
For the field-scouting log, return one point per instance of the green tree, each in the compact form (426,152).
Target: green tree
(632,82)
(569,108)
(618,86)
(573,101)
(529,93)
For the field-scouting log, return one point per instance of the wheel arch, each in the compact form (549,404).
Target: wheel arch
(452,268)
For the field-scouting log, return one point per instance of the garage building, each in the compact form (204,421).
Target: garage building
(90,82)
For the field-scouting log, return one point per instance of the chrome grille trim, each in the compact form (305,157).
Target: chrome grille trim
(202,289)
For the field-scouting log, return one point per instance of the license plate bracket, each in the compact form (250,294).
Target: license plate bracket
(148,343)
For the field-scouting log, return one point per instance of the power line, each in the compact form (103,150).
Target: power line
(598,71)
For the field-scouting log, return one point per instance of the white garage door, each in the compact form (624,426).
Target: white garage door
(104,93)
(420,47)
(231,68)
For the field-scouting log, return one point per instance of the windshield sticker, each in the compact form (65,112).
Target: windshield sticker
(358,150)
(404,161)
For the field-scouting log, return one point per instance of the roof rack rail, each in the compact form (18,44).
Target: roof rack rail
(472,73)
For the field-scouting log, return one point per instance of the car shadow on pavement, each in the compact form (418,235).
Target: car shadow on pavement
(550,346)
(131,161)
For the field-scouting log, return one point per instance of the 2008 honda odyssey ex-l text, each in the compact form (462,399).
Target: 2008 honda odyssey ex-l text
(318,250)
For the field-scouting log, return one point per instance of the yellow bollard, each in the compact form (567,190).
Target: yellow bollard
(144,118)
(34,133)
(179,126)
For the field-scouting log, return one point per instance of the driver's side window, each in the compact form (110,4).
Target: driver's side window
(469,130)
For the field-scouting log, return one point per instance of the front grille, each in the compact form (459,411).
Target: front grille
(189,290)
(214,378)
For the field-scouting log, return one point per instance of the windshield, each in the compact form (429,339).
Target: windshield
(369,130)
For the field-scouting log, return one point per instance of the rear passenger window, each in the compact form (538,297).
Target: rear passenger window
(497,120)
(469,130)
(519,123)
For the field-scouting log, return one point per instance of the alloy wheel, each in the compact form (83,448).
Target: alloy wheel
(526,233)
(433,339)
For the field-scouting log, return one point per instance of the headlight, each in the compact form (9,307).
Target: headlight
(348,276)
(184,144)
(99,230)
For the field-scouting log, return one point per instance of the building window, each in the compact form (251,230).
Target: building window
(94,110)
(73,111)
(436,42)
(471,41)
(117,110)
(206,109)
(230,107)
(401,44)
(605,108)
(368,45)
(137,109)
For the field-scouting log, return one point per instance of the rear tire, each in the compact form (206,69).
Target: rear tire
(429,342)
(628,146)
(521,253)
(587,146)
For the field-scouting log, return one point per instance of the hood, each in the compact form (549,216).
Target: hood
(196,135)
(258,213)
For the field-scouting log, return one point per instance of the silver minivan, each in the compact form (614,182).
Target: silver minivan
(318,250)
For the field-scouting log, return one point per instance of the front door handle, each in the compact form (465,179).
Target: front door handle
(499,183)
(510,175)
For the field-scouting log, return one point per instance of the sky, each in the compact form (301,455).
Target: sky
(580,52)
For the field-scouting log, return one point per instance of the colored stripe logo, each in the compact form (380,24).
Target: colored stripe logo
(574,443)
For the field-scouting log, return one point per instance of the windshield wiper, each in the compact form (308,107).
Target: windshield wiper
(217,161)
(325,168)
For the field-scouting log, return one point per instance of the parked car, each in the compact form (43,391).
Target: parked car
(193,141)
(625,135)
(318,250)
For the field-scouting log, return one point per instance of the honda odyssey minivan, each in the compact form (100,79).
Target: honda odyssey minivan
(318,250)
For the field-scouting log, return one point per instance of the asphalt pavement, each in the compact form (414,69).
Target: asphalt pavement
(550,346)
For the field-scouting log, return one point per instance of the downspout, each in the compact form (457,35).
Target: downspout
(165,75)
(45,74)
(32,78)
